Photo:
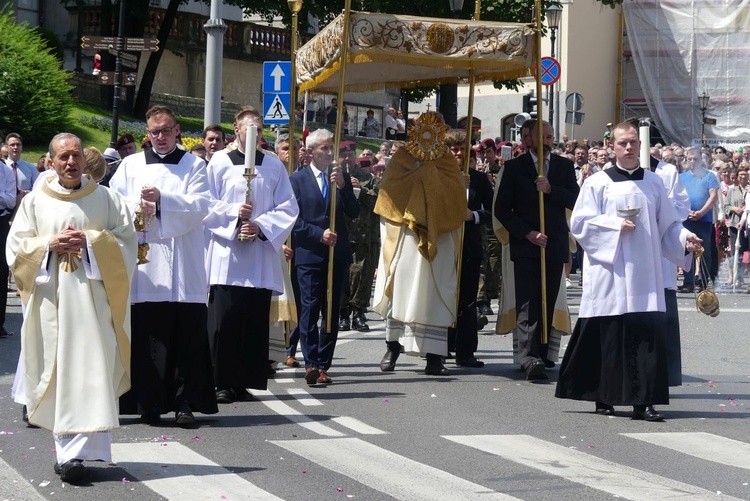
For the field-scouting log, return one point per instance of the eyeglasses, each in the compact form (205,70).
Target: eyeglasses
(156,132)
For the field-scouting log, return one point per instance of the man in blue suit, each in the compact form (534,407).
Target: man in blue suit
(311,240)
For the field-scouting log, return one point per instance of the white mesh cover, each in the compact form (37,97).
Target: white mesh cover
(681,48)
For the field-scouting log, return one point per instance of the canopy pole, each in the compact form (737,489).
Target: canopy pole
(465,170)
(295,6)
(540,162)
(336,139)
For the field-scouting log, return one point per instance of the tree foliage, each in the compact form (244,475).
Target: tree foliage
(34,91)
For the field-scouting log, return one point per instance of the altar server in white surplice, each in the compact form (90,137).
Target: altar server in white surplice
(171,359)
(72,249)
(243,275)
(626,223)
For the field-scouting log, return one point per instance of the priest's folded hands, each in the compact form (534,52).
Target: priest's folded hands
(68,240)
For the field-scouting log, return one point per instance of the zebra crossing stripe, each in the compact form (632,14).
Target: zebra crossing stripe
(177,472)
(388,472)
(701,445)
(269,400)
(357,425)
(303,397)
(576,466)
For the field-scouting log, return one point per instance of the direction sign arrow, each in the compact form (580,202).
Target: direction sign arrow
(129,64)
(141,44)
(277,75)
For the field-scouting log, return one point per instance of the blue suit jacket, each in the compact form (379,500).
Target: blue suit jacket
(314,219)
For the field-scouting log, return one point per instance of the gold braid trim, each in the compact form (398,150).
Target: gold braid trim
(117,286)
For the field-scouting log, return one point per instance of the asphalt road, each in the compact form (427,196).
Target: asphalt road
(476,434)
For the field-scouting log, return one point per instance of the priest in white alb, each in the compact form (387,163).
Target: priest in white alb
(244,274)
(626,223)
(72,249)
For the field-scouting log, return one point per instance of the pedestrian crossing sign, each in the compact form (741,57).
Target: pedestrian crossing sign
(276,108)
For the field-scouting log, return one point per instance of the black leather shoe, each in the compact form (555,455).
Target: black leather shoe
(184,416)
(388,362)
(242,395)
(485,310)
(604,409)
(549,364)
(25,414)
(435,366)
(482,322)
(151,419)
(685,288)
(646,413)
(71,471)
(224,396)
(344,324)
(535,371)
(469,362)
(359,322)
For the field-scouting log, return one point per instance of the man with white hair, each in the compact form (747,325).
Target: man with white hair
(311,241)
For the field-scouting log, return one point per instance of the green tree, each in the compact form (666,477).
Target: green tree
(34,91)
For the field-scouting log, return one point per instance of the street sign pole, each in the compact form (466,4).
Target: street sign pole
(118,77)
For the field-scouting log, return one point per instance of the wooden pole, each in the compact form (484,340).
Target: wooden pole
(540,162)
(336,139)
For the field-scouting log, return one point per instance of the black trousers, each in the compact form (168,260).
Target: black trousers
(528,276)
(464,339)
(4,270)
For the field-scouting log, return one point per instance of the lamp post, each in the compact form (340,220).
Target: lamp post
(448,96)
(703,104)
(553,15)
(294,6)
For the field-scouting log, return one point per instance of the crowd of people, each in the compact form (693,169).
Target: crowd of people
(184,266)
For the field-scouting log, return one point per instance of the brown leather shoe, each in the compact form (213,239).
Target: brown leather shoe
(311,375)
(291,362)
(324,378)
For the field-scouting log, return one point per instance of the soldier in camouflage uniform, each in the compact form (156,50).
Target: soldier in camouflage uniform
(364,237)
(490,278)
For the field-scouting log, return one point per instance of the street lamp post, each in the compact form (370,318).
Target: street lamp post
(703,104)
(553,14)
(448,95)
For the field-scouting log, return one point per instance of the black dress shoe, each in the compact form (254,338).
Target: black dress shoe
(242,395)
(549,364)
(388,362)
(685,288)
(482,322)
(485,310)
(344,324)
(151,419)
(646,413)
(71,471)
(3,332)
(435,366)
(604,409)
(359,323)
(224,396)
(469,362)
(184,416)
(535,371)
(25,414)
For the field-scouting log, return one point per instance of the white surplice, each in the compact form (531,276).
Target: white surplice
(176,269)
(624,269)
(253,263)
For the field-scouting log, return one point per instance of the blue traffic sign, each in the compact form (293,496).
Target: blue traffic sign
(277,77)
(550,71)
(276,108)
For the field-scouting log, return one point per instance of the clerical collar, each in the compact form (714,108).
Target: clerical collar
(618,174)
(629,171)
(160,155)
(173,157)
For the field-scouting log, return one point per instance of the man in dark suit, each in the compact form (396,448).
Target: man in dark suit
(311,240)
(463,339)
(517,208)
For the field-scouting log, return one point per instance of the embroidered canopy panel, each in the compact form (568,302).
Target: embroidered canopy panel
(406,51)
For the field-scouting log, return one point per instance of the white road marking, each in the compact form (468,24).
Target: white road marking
(177,472)
(303,397)
(701,445)
(388,472)
(15,486)
(358,426)
(576,466)
(284,380)
(282,409)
